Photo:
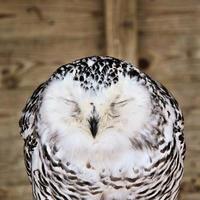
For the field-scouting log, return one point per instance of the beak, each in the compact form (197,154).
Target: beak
(93,122)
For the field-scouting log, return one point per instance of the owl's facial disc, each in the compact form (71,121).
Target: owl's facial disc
(71,111)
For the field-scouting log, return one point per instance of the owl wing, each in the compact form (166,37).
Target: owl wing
(178,125)
(178,129)
(27,124)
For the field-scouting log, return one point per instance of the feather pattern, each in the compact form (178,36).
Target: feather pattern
(135,151)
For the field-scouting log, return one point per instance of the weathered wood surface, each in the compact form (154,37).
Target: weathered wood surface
(121,29)
(38,36)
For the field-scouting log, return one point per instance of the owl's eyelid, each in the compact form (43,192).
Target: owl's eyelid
(122,102)
(70,101)
(113,116)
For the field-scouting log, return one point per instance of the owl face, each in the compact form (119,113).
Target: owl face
(91,125)
(122,108)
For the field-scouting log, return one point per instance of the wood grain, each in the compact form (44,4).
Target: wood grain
(40,57)
(121,29)
(21,18)
(38,36)
(169,16)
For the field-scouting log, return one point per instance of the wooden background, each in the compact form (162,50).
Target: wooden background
(36,36)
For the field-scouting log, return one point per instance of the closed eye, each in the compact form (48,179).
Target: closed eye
(70,101)
(76,109)
(121,103)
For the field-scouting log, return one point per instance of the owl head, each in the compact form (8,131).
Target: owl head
(96,98)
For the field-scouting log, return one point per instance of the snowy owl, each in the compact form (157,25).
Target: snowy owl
(99,129)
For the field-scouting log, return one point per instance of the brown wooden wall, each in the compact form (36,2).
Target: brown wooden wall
(36,36)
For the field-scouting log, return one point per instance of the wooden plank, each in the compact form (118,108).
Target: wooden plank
(190,196)
(21,60)
(175,70)
(77,5)
(168,16)
(18,75)
(170,7)
(13,101)
(13,165)
(190,188)
(50,34)
(47,49)
(47,18)
(121,29)
(170,24)
(177,55)
(185,46)
(22,192)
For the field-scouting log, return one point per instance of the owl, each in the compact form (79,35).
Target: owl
(100,129)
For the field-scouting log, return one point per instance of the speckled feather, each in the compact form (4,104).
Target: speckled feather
(161,141)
